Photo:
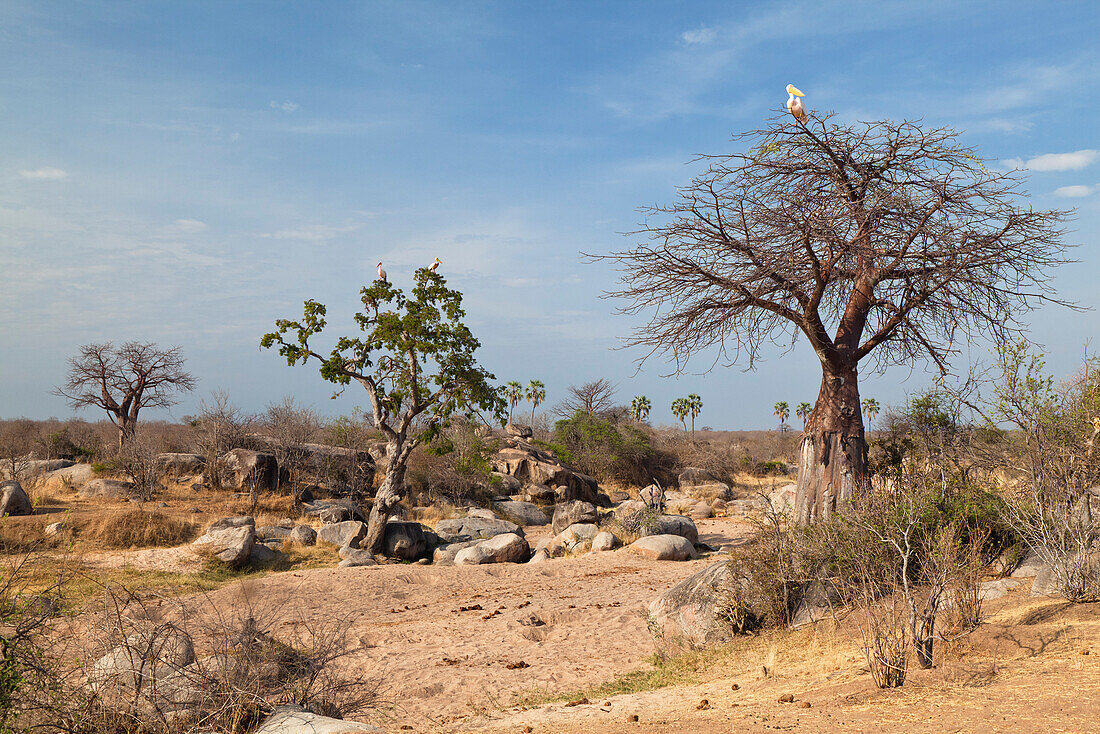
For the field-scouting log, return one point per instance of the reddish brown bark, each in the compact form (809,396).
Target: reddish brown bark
(833,457)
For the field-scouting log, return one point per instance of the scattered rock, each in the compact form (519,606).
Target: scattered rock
(604,541)
(302,535)
(109,488)
(261,553)
(444,555)
(231,545)
(572,513)
(177,464)
(522,513)
(689,612)
(273,532)
(674,525)
(143,662)
(13,500)
(539,494)
(333,511)
(508,484)
(352,557)
(664,548)
(804,704)
(508,548)
(540,556)
(232,522)
(579,536)
(474,528)
(55,528)
(340,534)
(702,511)
(296,720)
(251,469)
(28,468)
(783,499)
(70,477)
(786,698)
(518,431)
(1029,567)
(407,541)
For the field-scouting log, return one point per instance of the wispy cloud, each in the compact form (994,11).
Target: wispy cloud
(1075,192)
(188,226)
(286,106)
(1074,161)
(699,36)
(312,232)
(47,173)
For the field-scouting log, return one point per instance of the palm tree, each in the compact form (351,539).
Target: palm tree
(680,409)
(513,391)
(782,412)
(639,408)
(870,408)
(803,411)
(695,407)
(536,393)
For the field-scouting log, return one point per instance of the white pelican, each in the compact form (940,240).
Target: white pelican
(794,104)
(435,264)
(381,272)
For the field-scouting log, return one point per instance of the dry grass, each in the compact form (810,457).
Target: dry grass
(138,528)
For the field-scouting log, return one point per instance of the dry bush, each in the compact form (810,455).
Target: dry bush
(135,664)
(219,427)
(454,469)
(137,459)
(137,528)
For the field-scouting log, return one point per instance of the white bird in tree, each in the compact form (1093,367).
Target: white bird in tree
(435,264)
(381,272)
(794,104)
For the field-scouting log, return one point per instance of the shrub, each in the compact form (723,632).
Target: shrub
(138,528)
(611,453)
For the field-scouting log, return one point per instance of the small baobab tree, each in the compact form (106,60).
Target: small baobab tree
(782,411)
(639,408)
(803,412)
(680,409)
(876,243)
(695,407)
(536,393)
(125,380)
(416,361)
(513,393)
(870,409)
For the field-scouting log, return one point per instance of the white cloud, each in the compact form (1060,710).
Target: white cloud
(1074,192)
(699,36)
(45,174)
(188,226)
(312,232)
(1074,161)
(286,106)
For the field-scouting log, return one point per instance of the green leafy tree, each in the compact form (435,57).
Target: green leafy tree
(782,411)
(803,412)
(870,408)
(680,409)
(513,392)
(695,407)
(536,393)
(639,408)
(414,357)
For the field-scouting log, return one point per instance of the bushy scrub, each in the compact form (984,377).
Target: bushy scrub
(622,453)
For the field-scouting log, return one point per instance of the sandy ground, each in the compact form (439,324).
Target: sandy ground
(562,624)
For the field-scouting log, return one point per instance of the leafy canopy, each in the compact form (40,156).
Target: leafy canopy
(414,355)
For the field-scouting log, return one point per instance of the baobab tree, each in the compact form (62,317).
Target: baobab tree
(782,411)
(416,361)
(803,412)
(876,243)
(513,393)
(680,409)
(695,407)
(536,393)
(124,380)
(596,397)
(639,408)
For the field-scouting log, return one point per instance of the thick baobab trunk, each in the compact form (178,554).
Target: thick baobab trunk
(126,428)
(833,457)
(385,500)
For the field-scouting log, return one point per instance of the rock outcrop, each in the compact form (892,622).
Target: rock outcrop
(571,513)
(408,541)
(689,612)
(474,528)
(663,548)
(229,540)
(522,513)
(251,470)
(531,465)
(340,534)
(177,464)
(296,720)
(506,548)
(110,488)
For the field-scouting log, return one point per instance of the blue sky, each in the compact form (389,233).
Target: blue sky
(186,173)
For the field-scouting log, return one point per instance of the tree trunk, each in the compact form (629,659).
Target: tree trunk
(125,431)
(833,457)
(923,638)
(385,500)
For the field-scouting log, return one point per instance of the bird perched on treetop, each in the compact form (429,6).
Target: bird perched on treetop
(435,264)
(794,104)
(381,272)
